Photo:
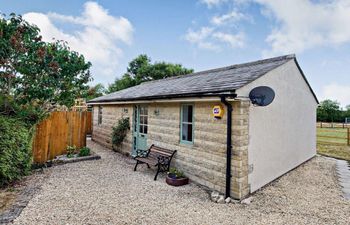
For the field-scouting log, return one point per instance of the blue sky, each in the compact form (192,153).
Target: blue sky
(202,34)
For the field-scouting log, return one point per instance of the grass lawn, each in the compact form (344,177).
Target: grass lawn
(335,151)
(332,142)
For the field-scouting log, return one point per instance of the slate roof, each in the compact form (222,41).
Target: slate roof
(210,82)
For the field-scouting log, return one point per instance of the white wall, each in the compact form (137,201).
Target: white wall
(282,135)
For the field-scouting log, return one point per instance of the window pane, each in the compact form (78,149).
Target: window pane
(186,125)
(141,110)
(189,115)
(145,129)
(99,115)
(135,118)
(184,132)
(185,113)
(145,120)
(141,119)
(141,129)
(145,111)
(187,132)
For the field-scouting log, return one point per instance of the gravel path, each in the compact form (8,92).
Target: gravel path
(107,191)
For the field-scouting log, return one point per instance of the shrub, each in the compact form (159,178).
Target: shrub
(120,131)
(30,114)
(175,173)
(15,150)
(71,150)
(84,151)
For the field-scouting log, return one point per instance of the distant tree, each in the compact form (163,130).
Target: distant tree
(329,111)
(121,83)
(95,91)
(34,73)
(141,69)
(347,111)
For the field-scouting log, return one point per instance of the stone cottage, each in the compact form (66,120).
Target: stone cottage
(235,153)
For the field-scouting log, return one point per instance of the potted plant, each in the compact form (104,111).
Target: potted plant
(176,178)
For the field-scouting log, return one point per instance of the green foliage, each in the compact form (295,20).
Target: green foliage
(37,74)
(120,130)
(27,113)
(173,172)
(84,151)
(330,111)
(141,69)
(121,83)
(71,150)
(95,91)
(15,150)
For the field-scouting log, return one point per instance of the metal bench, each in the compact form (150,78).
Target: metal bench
(155,156)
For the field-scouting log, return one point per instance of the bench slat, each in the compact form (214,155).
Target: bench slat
(157,156)
(159,153)
(153,162)
(160,149)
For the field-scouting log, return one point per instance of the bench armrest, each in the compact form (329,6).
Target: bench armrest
(163,160)
(141,153)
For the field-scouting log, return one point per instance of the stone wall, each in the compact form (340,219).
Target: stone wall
(102,133)
(240,141)
(204,161)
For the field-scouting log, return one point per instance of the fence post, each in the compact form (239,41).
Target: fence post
(348,136)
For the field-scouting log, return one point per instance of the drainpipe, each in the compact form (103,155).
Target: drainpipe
(228,142)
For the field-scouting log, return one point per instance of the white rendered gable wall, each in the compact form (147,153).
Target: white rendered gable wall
(282,135)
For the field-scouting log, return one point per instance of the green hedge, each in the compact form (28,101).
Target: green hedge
(15,150)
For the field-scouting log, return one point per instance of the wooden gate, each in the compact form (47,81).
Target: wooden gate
(59,130)
(89,123)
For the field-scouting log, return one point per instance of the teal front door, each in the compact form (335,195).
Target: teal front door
(140,128)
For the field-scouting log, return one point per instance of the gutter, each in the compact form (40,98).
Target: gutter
(228,142)
(171,96)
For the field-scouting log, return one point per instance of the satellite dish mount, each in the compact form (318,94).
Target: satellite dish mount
(261,96)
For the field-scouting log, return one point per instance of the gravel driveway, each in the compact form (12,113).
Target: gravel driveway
(107,191)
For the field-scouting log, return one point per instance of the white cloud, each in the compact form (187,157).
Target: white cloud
(234,40)
(97,37)
(338,92)
(200,38)
(305,24)
(219,32)
(209,39)
(229,18)
(297,25)
(211,3)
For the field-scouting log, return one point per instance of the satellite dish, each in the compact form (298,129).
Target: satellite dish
(262,96)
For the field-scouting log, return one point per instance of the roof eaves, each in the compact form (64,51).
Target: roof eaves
(170,96)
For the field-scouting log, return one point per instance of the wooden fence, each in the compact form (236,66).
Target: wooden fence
(89,123)
(333,125)
(333,136)
(60,130)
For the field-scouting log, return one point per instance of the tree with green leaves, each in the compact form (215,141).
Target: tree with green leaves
(141,70)
(36,74)
(95,91)
(329,111)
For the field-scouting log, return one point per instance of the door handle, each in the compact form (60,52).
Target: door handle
(142,135)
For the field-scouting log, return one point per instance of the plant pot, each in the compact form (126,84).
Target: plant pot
(176,181)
